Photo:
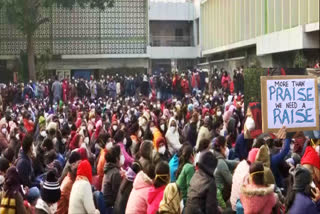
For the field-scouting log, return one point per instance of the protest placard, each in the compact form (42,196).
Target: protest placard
(290,101)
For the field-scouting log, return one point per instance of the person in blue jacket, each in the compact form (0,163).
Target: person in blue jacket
(302,198)
(277,158)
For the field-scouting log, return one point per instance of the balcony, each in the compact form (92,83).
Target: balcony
(171,41)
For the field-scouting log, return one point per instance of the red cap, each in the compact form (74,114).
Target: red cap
(311,157)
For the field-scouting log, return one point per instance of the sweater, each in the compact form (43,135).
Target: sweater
(111,183)
(184,179)
(63,203)
(173,164)
(81,198)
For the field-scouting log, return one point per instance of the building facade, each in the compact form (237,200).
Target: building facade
(264,32)
(134,35)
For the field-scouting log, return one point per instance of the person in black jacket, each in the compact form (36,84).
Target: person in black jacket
(112,178)
(125,188)
(202,194)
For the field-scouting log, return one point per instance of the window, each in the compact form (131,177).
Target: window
(179,33)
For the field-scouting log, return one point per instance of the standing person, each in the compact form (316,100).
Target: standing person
(225,81)
(202,191)
(155,193)
(185,171)
(256,197)
(65,88)
(50,194)
(81,198)
(112,178)
(12,193)
(56,91)
(302,198)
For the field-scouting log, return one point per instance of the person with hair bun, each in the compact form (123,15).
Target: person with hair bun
(155,194)
(256,197)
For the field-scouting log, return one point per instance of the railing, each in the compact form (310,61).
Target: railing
(171,41)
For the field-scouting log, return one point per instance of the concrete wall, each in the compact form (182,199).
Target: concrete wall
(171,10)
(173,52)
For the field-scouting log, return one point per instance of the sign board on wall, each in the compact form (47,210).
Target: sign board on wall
(291,101)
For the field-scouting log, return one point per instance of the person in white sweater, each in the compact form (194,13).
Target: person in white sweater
(81,197)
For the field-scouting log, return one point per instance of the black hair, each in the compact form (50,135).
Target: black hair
(162,169)
(48,144)
(203,144)
(119,136)
(257,178)
(220,142)
(9,154)
(187,152)
(50,156)
(27,143)
(113,154)
(260,142)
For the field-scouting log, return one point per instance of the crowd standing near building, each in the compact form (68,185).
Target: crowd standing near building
(167,143)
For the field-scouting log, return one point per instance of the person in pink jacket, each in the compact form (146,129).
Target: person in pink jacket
(138,199)
(257,197)
(121,140)
(155,193)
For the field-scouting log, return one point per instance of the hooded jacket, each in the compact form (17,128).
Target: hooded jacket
(204,133)
(170,204)
(138,199)
(172,138)
(184,179)
(263,156)
(173,164)
(155,196)
(257,199)
(202,194)
(111,183)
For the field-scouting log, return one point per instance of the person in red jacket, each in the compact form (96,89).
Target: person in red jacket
(184,84)
(225,81)
(28,124)
(195,82)
(65,90)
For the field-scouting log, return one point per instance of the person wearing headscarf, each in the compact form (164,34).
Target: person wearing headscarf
(172,137)
(204,132)
(12,198)
(170,203)
(81,197)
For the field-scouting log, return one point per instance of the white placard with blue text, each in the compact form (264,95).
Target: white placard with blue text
(291,103)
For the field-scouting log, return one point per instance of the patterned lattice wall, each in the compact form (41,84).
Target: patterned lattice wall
(118,30)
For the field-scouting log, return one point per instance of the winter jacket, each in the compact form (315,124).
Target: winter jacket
(304,204)
(66,186)
(202,194)
(184,179)
(276,159)
(3,142)
(123,196)
(172,138)
(156,135)
(204,133)
(195,81)
(111,183)
(256,199)
(155,196)
(57,89)
(138,199)
(241,148)
(238,180)
(24,168)
(192,134)
(100,165)
(28,125)
(225,81)
(173,164)
(81,198)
